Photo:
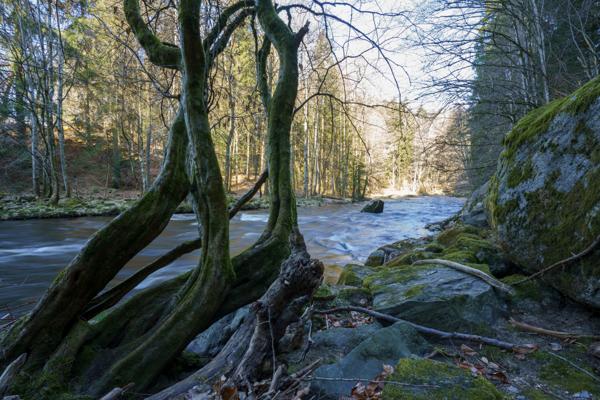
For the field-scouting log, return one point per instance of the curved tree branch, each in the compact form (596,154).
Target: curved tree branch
(161,54)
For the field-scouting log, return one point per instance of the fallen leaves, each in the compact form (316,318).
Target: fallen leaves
(373,389)
(480,365)
(354,320)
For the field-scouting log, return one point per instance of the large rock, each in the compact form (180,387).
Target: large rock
(374,206)
(436,296)
(544,199)
(366,361)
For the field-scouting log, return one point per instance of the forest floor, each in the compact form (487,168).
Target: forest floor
(112,202)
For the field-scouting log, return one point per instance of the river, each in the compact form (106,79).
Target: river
(33,251)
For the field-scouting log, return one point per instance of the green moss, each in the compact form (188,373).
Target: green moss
(529,290)
(561,374)
(323,291)
(447,382)
(409,258)
(535,394)
(414,291)
(389,275)
(434,247)
(538,120)
(349,278)
(449,236)
(520,174)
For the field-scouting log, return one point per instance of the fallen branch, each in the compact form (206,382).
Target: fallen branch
(471,271)
(548,332)
(249,194)
(577,367)
(431,331)
(566,261)
(10,372)
(112,296)
(397,383)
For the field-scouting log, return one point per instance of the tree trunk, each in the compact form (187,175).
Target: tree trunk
(60,126)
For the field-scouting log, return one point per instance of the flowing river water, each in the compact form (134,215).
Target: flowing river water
(33,251)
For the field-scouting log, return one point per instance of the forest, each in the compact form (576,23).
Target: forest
(304,199)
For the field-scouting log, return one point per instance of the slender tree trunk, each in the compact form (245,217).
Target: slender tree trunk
(60,126)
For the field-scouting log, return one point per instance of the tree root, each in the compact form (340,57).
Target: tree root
(548,332)
(566,261)
(471,271)
(253,343)
(10,372)
(117,393)
(435,332)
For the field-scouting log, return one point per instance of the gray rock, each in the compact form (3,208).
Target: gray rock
(211,341)
(388,252)
(544,200)
(365,361)
(473,212)
(438,297)
(374,206)
(331,345)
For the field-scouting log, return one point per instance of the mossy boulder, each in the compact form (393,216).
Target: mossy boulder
(353,274)
(544,200)
(422,379)
(366,361)
(436,296)
(389,252)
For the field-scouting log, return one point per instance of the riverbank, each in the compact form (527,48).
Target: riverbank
(28,207)
(555,355)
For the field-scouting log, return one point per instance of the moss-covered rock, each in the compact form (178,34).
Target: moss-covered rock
(422,379)
(353,274)
(562,375)
(436,296)
(544,200)
(392,252)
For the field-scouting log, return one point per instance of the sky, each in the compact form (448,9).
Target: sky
(405,72)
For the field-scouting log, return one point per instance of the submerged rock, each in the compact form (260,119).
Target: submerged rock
(365,361)
(544,200)
(374,206)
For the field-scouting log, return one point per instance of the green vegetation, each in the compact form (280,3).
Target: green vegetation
(447,383)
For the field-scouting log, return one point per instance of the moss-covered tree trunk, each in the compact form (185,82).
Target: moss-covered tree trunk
(108,250)
(135,340)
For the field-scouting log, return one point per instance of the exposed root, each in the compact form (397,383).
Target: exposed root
(10,372)
(117,393)
(436,332)
(548,332)
(252,345)
(471,271)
